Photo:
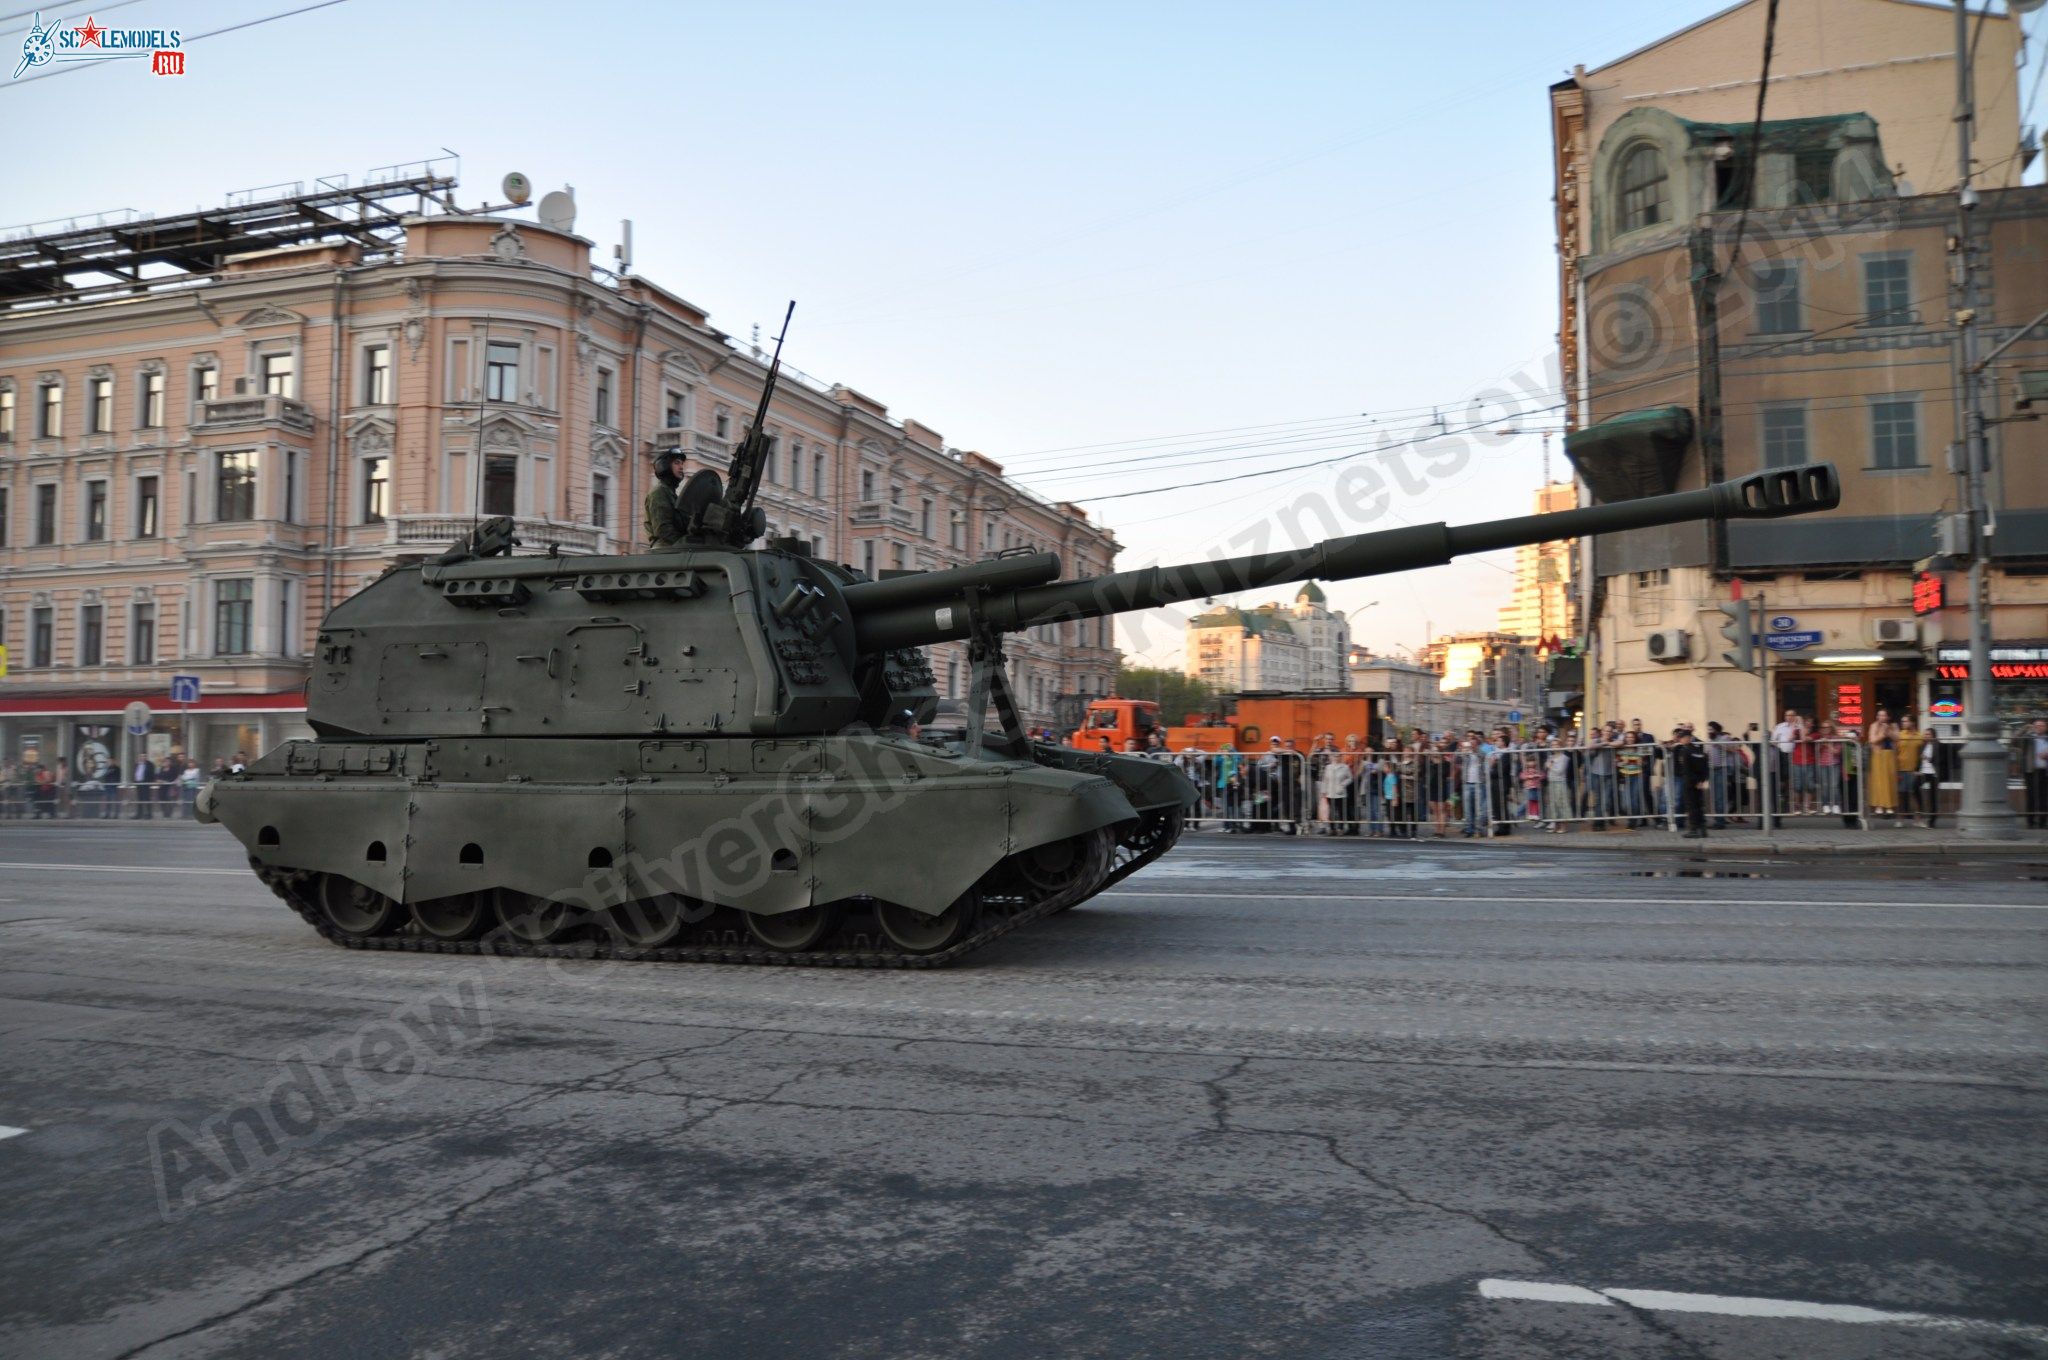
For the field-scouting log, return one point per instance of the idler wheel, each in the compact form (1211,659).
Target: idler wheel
(1046,869)
(794,931)
(356,909)
(651,922)
(917,932)
(527,917)
(461,917)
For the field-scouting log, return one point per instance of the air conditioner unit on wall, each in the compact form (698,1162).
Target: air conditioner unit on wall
(1903,629)
(244,386)
(1669,644)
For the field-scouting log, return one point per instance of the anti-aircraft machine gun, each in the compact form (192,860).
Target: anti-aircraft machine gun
(689,755)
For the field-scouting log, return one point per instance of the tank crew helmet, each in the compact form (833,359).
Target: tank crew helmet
(902,720)
(669,465)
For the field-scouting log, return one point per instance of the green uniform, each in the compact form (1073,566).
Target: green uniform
(664,526)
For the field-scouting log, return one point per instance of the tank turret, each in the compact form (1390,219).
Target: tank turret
(698,753)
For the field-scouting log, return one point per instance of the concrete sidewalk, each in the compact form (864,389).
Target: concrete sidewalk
(1802,836)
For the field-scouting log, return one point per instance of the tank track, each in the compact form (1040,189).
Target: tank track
(1156,833)
(1002,911)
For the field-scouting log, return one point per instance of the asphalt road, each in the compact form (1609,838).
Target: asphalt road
(1271,1097)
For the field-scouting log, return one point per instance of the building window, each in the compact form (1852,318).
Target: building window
(152,401)
(280,375)
(769,458)
(1777,298)
(92,634)
(895,495)
(7,416)
(721,424)
(924,517)
(1894,434)
(796,465)
(95,512)
(1784,435)
(1644,183)
(601,501)
(901,553)
(146,507)
(142,634)
(6,505)
(376,489)
(46,514)
(231,604)
(867,556)
(377,375)
(290,512)
(817,474)
(501,485)
(42,636)
(501,371)
(284,619)
(1887,289)
(603,412)
(99,405)
(205,384)
(672,411)
(234,487)
(867,485)
(50,412)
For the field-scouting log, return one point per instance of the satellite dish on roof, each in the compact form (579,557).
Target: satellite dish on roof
(518,188)
(558,210)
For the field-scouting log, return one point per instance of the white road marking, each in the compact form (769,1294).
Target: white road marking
(1735,1305)
(8,1131)
(123,869)
(1580,901)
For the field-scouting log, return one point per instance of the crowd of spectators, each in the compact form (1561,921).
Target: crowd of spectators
(102,791)
(1615,777)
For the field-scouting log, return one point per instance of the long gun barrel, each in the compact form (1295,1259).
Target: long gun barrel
(910,617)
(731,520)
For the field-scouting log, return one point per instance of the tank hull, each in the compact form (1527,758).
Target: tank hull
(765,826)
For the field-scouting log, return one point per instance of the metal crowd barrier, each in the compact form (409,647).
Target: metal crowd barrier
(1551,786)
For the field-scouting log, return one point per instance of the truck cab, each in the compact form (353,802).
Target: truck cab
(1116,721)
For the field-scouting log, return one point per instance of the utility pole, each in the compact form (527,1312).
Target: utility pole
(1986,810)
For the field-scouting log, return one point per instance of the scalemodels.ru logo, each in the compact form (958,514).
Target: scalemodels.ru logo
(164,47)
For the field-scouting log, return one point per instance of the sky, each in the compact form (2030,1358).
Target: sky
(1127,250)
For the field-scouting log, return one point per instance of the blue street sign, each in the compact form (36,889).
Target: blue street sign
(1514,715)
(184,689)
(1791,642)
(1783,623)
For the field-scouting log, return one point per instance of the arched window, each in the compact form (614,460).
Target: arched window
(1643,187)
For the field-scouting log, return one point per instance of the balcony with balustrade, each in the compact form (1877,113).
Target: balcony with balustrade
(248,413)
(414,532)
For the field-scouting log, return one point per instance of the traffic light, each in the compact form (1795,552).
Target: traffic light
(1741,653)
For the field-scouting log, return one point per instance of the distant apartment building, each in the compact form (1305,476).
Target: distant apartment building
(1544,605)
(1735,298)
(1273,647)
(214,428)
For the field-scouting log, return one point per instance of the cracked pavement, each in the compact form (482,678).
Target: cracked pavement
(1269,1098)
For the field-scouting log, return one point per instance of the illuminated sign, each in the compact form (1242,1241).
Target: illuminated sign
(2009,660)
(1849,703)
(1945,708)
(1929,593)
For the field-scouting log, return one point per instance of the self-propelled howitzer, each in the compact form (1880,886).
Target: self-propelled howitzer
(703,754)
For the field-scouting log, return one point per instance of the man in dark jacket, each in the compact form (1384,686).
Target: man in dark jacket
(1693,773)
(144,778)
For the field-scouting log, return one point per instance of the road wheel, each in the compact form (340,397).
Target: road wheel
(651,922)
(795,931)
(356,909)
(528,918)
(461,917)
(916,932)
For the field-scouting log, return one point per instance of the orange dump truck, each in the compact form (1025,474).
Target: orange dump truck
(1252,720)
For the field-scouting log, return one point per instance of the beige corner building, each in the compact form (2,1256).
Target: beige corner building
(214,428)
(1702,342)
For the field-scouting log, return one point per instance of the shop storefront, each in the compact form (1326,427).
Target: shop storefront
(80,735)
(2019,682)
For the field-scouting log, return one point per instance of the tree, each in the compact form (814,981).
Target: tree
(1178,696)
